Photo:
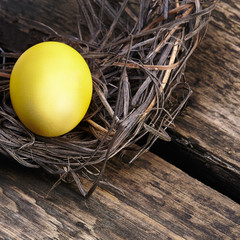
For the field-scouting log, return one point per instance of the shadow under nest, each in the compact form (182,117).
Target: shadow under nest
(137,51)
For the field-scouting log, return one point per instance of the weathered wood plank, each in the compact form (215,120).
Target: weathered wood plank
(61,17)
(23,23)
(209,126)
(158,201)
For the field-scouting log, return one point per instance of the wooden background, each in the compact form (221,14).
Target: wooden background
(157,200)
(209,127)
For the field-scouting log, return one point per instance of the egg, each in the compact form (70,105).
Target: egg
(50,88)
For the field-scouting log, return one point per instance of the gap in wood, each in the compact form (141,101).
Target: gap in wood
(194,166)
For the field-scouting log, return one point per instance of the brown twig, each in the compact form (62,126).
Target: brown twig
(146,66)
(5,75)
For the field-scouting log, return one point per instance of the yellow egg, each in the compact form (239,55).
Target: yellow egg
(50,88)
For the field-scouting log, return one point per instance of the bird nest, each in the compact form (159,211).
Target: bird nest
(137,52)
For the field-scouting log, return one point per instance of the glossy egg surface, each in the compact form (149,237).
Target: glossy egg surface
(50,88)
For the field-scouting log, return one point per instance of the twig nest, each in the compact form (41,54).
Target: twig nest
(137,51)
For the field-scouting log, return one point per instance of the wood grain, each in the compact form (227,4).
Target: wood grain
(209,126)
(23,23)
(156,201)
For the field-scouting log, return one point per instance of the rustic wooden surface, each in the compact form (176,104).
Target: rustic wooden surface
(158,201)
(22,23)
(209,126)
